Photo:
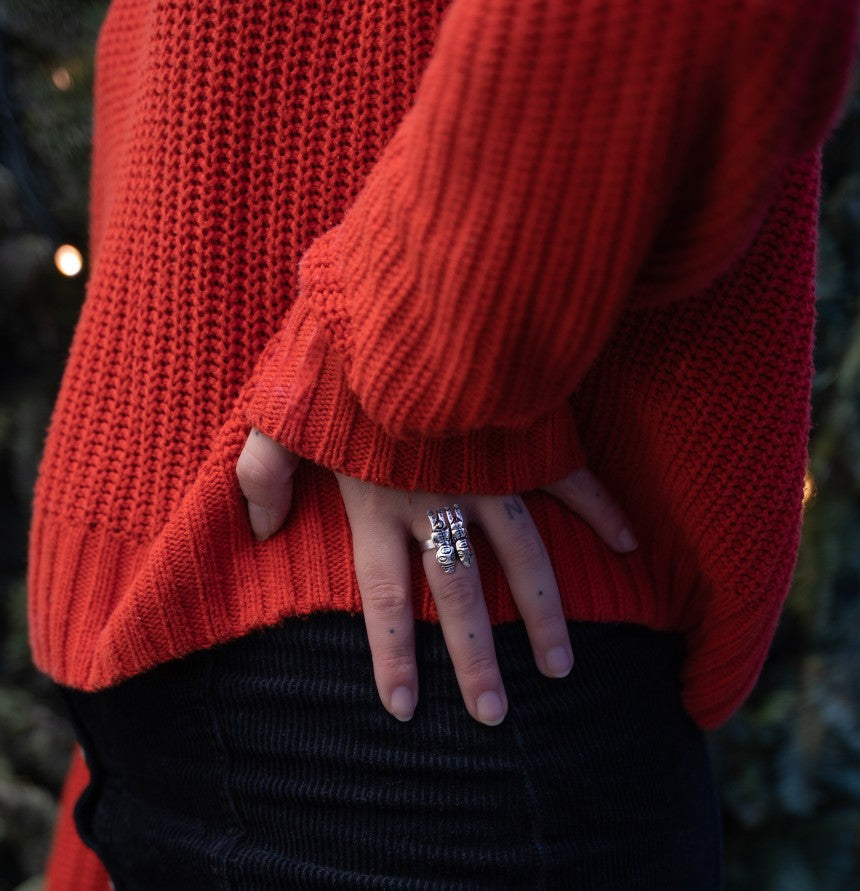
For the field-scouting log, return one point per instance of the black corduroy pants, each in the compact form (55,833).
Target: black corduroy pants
(269,763)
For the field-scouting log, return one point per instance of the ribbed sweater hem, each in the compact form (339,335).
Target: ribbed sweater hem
(133,608)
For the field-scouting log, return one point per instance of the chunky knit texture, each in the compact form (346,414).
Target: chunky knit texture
(529,233)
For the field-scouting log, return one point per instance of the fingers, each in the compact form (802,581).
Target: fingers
(468,635)
(583,493)
(382,570)
(521,552)
(265,471)
(383,519)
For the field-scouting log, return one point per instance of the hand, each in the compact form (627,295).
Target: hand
(384,520)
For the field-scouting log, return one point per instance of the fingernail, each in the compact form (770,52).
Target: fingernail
(558,662)
(402,703)
(490,708)
(626,540)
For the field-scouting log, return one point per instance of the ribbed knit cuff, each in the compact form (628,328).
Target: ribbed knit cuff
(301,399)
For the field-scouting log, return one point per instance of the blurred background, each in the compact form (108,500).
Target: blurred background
(788,764)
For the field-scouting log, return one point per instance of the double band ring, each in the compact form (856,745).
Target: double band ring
(449,538)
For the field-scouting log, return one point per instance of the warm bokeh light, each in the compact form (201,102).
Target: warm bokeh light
(61,78)
(808,488)
(68,259)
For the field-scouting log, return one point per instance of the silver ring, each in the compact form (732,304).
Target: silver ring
(451,540)
(460,536)
(446,553)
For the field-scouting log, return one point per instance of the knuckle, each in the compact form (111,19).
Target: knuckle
(253,473)
(615,514)
(608,517)
(527,550)
(383,595)
(396,665)
(547,623)
(583,481)
(479,664)
(456,596)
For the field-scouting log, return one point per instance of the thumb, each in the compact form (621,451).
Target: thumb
(583,493)
(265,471)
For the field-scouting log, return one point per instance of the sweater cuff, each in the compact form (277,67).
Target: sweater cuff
(301,399)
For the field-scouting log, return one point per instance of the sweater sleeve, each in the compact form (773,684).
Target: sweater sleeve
(562,160)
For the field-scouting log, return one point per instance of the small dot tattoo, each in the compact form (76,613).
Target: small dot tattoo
(391,631)
(471,635)
(540,593)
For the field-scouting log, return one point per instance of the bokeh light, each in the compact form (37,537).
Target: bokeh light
(61,78)
(68,260)
(808,489)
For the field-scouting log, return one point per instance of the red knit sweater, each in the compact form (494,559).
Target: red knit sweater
(459,252)
(591,237)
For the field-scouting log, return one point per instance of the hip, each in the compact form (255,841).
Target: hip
(268,762)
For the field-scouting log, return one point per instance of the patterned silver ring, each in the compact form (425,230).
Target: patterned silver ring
(449,538)
(446,553)
(458,533)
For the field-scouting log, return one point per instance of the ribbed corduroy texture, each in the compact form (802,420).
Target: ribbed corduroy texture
(267,764)
(495,268)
